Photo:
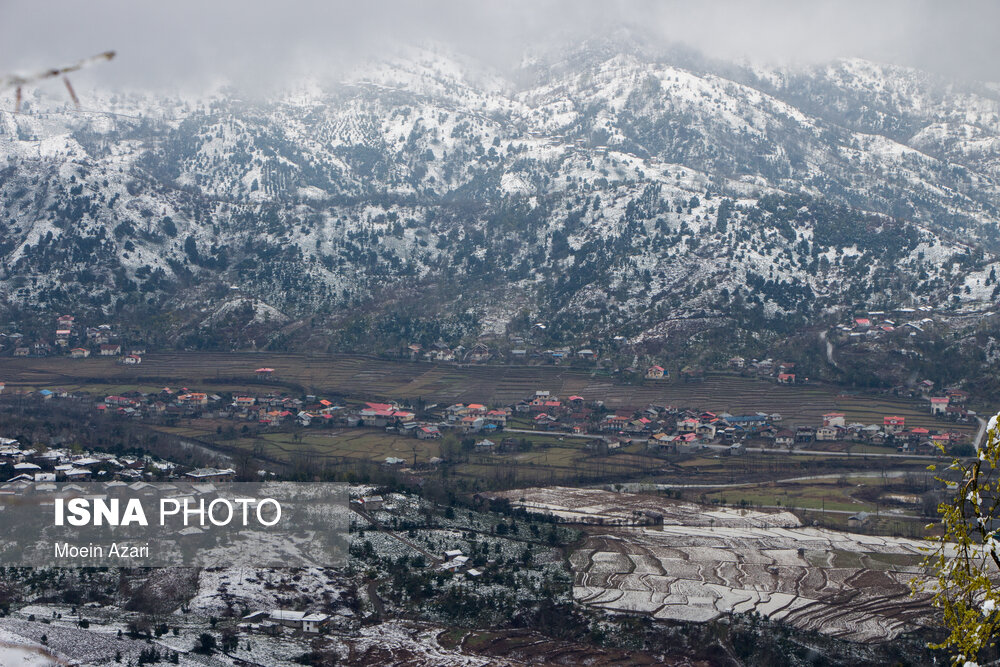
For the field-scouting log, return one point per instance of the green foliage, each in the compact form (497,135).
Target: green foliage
(966,560)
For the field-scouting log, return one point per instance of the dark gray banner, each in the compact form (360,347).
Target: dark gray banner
(173,524)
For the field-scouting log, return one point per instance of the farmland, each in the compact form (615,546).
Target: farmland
(365,377)
(702,563)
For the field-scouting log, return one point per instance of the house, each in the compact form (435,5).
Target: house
(371,502)
(263,373)
(685,443)
(299,620)
(485,445)
(826,433)
(957,396)
(859,520)
(22,351)
(939,405)
(193,398)
(244,401)
(705,431)
(428,433)
(472,424)
(834,419)
(893,424)
(79,353)
(655,373)
(497,417)
(737,362)
(862,323)
(786,378)
(784,438)
(111,349)
(132,360)
(454,413)
(689,425)
(479,353)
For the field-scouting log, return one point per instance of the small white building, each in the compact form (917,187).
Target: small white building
(299,620)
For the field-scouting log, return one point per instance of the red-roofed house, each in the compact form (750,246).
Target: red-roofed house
(428,433)
(786,378)
(654,373)
(939,405)
(893,424)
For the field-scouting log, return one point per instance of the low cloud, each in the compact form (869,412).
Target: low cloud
(186,45)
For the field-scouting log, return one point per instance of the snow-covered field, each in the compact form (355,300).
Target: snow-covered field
(702,564)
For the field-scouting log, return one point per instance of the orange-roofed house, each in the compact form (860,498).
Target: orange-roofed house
(193,398)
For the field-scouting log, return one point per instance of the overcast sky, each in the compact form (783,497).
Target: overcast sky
(194,44)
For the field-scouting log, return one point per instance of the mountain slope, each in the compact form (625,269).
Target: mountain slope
(604,192)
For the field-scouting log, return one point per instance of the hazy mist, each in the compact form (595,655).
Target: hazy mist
(190,45)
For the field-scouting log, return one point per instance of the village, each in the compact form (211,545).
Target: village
(657,429)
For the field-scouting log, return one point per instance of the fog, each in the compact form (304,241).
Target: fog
(193,46)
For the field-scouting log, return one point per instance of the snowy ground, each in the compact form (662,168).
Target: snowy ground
(703,563)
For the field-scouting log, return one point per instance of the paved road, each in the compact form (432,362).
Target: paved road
(633,486)
(813,452)
(981,433)
(763,450)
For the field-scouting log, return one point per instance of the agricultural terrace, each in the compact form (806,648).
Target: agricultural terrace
(700,564)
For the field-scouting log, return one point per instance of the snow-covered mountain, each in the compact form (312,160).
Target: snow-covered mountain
(607,189)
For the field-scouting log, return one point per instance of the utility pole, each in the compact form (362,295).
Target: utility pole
(18,82)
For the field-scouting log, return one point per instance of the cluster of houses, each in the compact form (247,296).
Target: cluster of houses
(782,371)
(662,427)
(76,342)
(28,464)
(878,323)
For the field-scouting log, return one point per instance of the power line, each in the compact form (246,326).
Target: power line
(18,82)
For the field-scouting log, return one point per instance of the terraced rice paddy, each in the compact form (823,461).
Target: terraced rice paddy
(703,563)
